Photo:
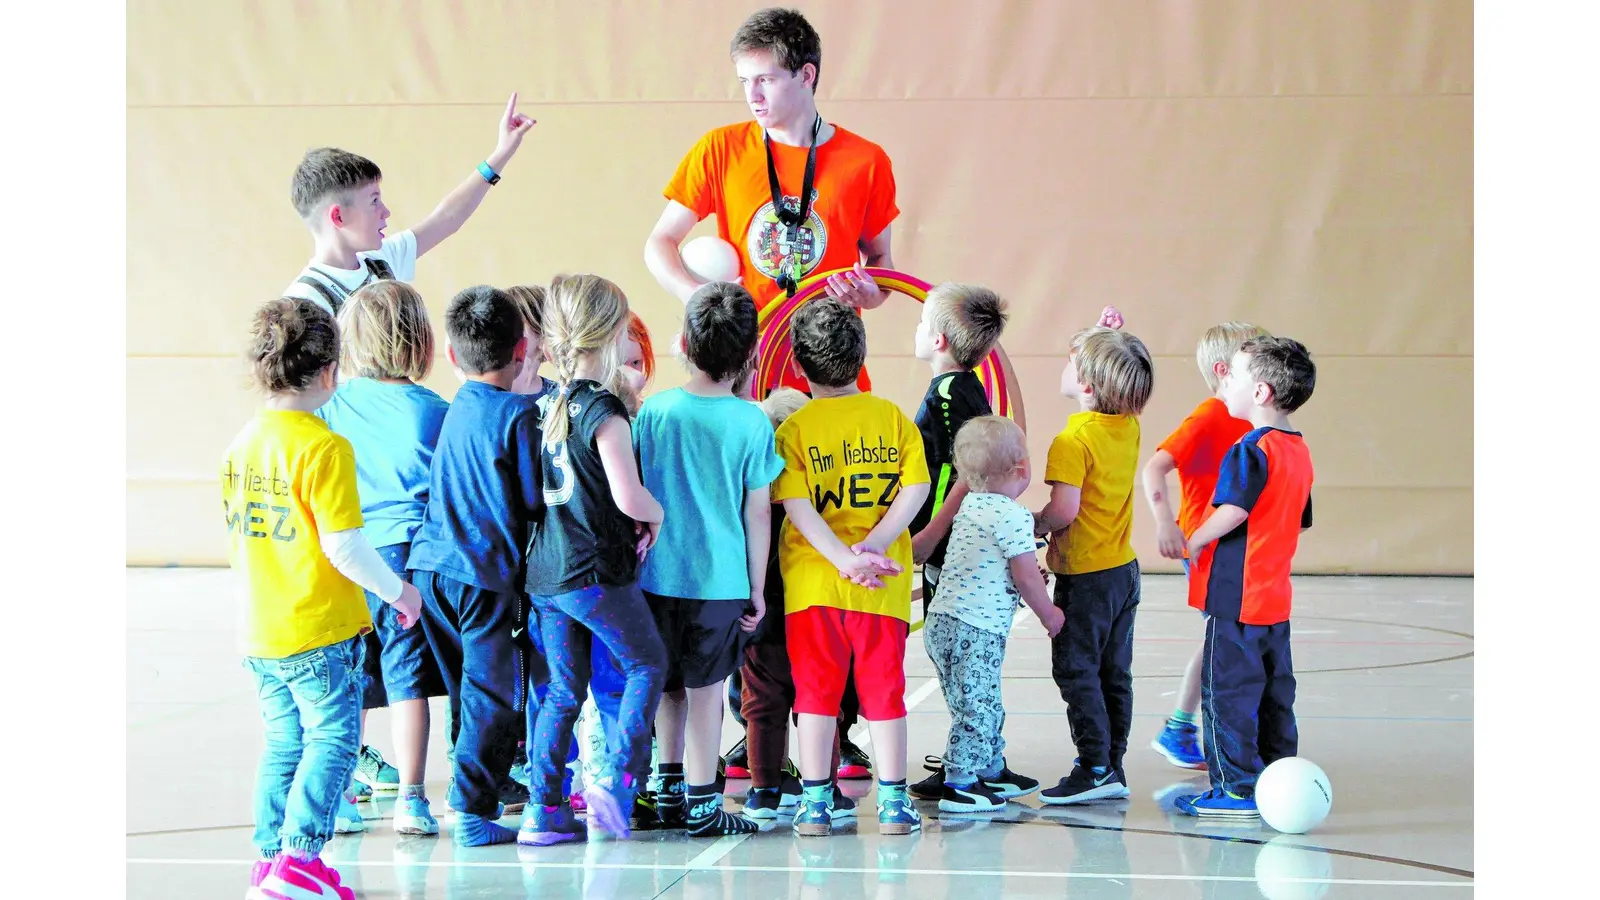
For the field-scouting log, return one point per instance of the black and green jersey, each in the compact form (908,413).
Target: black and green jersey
(952,399)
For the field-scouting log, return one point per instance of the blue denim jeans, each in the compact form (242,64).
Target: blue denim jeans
(311,705)
(569,624)
(605,683)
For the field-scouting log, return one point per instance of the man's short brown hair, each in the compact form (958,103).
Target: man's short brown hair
(1286,367)
(787,34)
(329,173)
(1117,368)
(830,343)
(972,317)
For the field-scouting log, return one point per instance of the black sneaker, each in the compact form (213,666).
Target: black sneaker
(513,796)
(973,798)
(932,787)
(1009,785)
(763,804)
(1082,786)
(646,815)
(853,764)
(843,807)
(668,801)
(707,818)
(736,764)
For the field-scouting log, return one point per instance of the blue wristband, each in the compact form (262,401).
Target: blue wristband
(488,174)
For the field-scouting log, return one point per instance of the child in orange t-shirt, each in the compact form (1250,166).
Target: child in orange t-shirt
(1195,448)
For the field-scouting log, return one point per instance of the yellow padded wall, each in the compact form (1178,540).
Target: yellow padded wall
(1306,166)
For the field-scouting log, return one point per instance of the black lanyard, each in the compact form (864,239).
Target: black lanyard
(792,220)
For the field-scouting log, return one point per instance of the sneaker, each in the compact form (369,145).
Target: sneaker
(578,805)
(896,815)
(790,790)
(348,819)
(736,764)
(360,790)
(1009,785)
(610,802)
(1180,744)
(513,797)
(519,765)
(669,802)
(813,816)
(843,807)
(258,874)
(763,804)
(412,816)
(647,812)
(543,826)
(853,763)
(290,876)
(1218,804)
(932,787)
(977,797)
(1083,785)
(707,818)
(372,771)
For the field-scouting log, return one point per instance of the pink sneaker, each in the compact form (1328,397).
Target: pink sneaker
(291,878)
(579,806)
(258,874)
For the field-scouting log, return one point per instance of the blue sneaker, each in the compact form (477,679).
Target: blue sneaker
(1217,804)
(348,819)
(813,815)
(543,826)
(373,771)
(843,807)
(412,816)
(1180,744)
(610,802)
(360,790)
(896,815)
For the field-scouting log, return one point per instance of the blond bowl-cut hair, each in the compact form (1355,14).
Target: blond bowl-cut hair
(1117,368)
(386,333)
(782,403)
(987,448)
(1219,344)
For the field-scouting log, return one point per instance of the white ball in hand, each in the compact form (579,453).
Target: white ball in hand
(711,259)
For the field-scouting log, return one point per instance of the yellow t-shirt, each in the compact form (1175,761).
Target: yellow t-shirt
(1099,455)
(849,456)
(286,479)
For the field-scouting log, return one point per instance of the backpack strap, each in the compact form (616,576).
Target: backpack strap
(378,270)
(335,302)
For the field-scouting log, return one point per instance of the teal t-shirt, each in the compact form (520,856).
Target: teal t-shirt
(394,429)
(698,457)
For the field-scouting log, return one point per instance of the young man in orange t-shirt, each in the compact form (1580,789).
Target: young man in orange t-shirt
(1195,448)
(754,177)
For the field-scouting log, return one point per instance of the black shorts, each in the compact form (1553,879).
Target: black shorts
(704,642)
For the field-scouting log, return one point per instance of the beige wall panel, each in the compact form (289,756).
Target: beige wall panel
(1307,166)
(325,52)
(1154,211)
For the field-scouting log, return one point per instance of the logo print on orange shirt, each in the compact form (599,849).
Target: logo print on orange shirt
(769,248)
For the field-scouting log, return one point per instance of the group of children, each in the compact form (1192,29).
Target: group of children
(534,537)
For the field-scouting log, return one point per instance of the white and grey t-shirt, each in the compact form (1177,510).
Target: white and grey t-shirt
(976,585)
(398,253)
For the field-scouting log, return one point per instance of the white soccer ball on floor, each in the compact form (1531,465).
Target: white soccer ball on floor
(1294,795)
(711,258)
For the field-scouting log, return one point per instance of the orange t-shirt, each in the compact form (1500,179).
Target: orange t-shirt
(853,200)
(1198,446)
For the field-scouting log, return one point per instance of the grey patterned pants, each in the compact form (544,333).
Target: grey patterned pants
(968,660)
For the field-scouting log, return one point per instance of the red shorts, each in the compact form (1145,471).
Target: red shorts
(826,644)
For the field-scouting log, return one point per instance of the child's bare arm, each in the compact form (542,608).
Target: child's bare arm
(1169,539)
(923,542)
(614,442)
(459,205)
(1060,511)
(1222,520)
(1030,583)
(758,543)
(867,566)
